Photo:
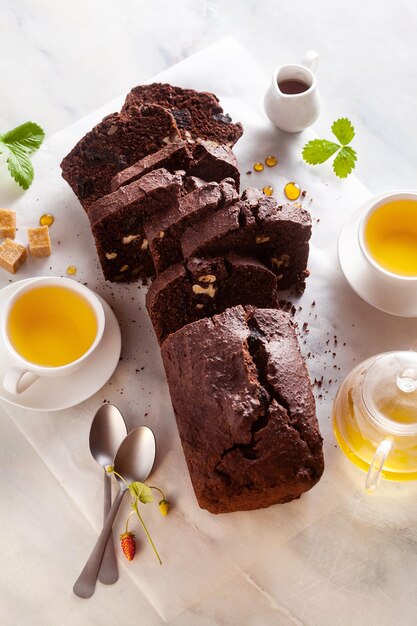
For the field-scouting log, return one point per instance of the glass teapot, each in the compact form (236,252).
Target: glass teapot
(375,417)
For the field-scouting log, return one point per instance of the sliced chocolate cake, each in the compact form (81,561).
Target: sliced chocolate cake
(276,235)
(199,288)
(117,142)
(213,162)
(164,229)
(198,114)
(174,156)
(117,224)
(245,411)
(209,162)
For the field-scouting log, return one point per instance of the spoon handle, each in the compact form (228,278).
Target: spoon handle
(86,581)
(108,573)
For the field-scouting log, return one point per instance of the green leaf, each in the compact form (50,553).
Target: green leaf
(319,150)
(141,492)
(343,130)
(344,162)
(21,169)
(26,138)
(18,144)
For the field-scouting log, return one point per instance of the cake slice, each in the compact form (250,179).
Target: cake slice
(197,114)
(245,412)
(214,162)
(117,142)
(174,156)
(200,288)
(276,235)
(117,224)
(164,229)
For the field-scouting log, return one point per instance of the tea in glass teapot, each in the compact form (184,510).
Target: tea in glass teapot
(375,417)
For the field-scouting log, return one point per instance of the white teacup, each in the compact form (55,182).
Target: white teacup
(24,373)
(388,276)
(292,101)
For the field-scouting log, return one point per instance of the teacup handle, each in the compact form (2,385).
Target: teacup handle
(374,472)
(310,60)
(17,379)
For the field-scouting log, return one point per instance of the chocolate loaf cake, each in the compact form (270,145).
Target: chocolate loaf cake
(117,142)
(199,288)
(197,114)
(276,235)
(246,411)
(164,229)
(117,224)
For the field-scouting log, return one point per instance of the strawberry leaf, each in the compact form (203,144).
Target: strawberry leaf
(319,150)
(344,162)
(343,130)
(17,144)
(141,492)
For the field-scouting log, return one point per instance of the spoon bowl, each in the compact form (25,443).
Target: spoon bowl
(107,432)
(135,457)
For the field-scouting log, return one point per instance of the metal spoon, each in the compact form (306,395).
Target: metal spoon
(134,461)
(108,429)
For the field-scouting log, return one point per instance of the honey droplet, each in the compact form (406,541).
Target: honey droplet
(268,191)
(46,219)
(292,191)
(71,270)
(258,167)
(271,160)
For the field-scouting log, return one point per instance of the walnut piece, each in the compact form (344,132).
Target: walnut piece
(145,244)
(129,238)
(262,238)
(208,291)
(111,255)
(124,268)
(283,260)
(207,278)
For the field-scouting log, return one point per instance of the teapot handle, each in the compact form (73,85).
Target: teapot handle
(374,472)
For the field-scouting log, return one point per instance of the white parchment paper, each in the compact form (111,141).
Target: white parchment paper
(201,551)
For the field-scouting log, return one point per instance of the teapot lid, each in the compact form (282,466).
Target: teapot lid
(389,391)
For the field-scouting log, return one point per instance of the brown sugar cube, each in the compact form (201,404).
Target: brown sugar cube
(39,242)
(12,255)
(7,223)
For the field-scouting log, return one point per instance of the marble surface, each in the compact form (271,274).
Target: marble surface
(354,563)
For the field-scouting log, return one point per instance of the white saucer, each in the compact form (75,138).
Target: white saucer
(54,394)
(401,301)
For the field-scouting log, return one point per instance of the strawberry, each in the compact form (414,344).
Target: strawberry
(128,543)
(164,507)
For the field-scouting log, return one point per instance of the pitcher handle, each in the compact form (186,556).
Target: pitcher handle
(374,472)
(310,60)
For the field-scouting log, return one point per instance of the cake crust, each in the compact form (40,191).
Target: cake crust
(251,437)
(198,114)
